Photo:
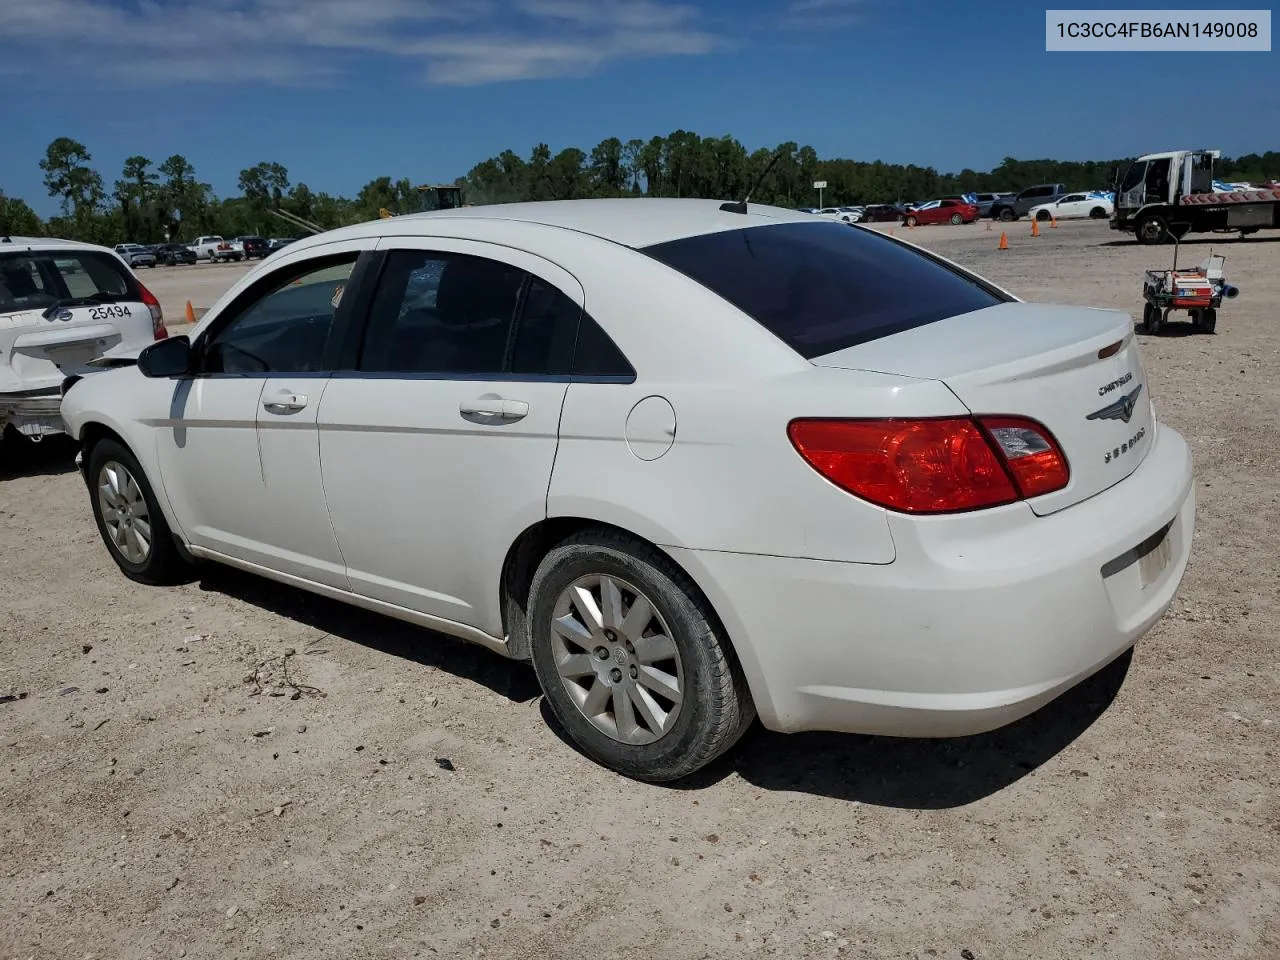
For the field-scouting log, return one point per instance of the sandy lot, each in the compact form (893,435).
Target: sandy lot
(415,802)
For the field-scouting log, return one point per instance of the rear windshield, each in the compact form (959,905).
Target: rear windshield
(33,281)
(821,287)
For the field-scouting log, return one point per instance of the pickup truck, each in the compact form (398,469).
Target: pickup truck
(215,249)
(1011,208)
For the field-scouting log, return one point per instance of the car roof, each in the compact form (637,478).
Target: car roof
(41,244)
(631,222)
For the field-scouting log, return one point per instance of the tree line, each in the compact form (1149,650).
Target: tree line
(151,202)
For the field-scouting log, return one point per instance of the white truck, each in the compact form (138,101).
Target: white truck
(215,249)
(1172,194)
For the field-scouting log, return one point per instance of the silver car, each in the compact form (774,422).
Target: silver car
(136,255)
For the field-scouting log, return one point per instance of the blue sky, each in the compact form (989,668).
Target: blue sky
(341,91)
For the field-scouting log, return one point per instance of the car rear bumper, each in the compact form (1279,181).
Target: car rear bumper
(982,618)
(35,413)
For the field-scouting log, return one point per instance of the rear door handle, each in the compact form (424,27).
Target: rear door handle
(491,405)
(284,402)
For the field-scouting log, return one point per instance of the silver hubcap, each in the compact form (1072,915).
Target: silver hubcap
(616,659)
(124,512)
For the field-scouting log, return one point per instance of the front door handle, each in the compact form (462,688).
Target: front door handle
(284,402)
(492,405)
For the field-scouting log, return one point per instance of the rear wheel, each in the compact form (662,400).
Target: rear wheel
(912,221)
(632,660)
(1042,215)
(129,519)
(1208,320)
(1097,213)
(1006,215)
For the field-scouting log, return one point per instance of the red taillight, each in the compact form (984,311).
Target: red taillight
(935,465)
(158,329)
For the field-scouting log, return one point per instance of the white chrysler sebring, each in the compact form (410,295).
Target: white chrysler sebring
(697,462)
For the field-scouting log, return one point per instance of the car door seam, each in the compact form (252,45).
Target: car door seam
(328,510)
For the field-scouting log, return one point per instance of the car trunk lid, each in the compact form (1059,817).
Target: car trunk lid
(1076,370)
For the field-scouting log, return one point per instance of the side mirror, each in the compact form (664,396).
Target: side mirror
(166,358)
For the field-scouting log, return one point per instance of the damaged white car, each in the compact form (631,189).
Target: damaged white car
(63,305)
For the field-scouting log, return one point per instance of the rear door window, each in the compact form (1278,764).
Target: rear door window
(821,287)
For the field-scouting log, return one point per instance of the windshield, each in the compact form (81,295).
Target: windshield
(33,281)
(821,287)
(1133,176)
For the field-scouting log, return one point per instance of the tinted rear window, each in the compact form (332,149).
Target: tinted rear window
(821,287)
(33,281)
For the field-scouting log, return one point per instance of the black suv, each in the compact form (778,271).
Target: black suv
(1011,208)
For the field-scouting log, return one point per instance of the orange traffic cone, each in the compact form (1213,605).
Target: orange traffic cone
(191,314)
(1053,222)
(1035,228)
(1004,241)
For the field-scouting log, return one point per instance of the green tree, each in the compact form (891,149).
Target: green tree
(68,176)
(17,219)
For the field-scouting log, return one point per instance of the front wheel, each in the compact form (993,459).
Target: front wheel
(956,219)
(1154,318)
(1006,215)
(1043,215)
(632,660)
(1208,320)
(911,221)
(1097,213)
(1152,230)
(129,518)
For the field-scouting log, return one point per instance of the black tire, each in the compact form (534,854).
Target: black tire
(1154,319)
(1043,215)
(956,219)
(911,221)
(1208,320)
(1097,213)
(1006,215)
(1152,230)
(715,708)
(163,564)
(1148,311)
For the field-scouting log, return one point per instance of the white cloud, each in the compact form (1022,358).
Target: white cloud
(821,14)
(306,42)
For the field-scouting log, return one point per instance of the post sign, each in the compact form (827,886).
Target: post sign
(819,184)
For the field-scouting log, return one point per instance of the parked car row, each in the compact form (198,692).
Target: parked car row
(212,248)
(1045,201)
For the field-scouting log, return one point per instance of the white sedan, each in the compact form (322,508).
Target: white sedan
(1075,206)
(696,464)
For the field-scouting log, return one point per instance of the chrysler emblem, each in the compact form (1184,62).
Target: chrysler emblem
(63,314)
(1121,409)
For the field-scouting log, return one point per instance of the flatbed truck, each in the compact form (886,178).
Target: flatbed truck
(1166,195)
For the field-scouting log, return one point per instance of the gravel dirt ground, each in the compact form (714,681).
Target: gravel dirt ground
(414,800)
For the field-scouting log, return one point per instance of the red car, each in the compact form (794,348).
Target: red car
(941,211)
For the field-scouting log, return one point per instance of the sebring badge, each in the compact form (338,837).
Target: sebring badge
(1121,409)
